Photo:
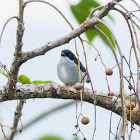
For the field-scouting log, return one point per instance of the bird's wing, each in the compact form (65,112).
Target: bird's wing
(81,66)
(82,69)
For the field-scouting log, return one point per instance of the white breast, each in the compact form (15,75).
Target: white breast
(68,72)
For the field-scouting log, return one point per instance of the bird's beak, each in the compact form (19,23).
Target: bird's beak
(62,54)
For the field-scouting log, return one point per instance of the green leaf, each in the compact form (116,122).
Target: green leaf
(24,79)
(3,72)
(82,10)
(40,82)
(107,32)
(75,138)
(50,137)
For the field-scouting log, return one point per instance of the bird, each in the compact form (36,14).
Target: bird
(67,69)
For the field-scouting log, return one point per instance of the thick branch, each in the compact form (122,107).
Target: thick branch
(65,92)
(14,69)
(58,42)
(65,39)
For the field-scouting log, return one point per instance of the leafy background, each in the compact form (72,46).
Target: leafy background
(81,12)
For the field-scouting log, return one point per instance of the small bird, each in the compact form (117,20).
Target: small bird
(67,69)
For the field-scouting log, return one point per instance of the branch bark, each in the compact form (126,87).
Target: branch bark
(16,119)
(67,92)
(14,69)
(88,24)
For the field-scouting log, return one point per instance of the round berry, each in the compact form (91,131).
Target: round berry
(78,86)
(132,104)
(109,71)
(85,120)
(110,94)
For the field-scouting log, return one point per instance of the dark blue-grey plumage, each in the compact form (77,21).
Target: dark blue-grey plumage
(72,57)
(67,69)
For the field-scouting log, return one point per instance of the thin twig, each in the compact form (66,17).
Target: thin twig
(25,3)
(96,51)
(3,131)
(136,3)
(133,46)
(109,42)
(131,76)
(115,66)
(121,79)
(129,13)
(136,24)
(118,127)
(95,9)
(5,26)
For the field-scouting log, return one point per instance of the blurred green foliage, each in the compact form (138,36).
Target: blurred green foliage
(40,82)
(3,72)
(26,80)
(82,10)
(52,137)
(75,138)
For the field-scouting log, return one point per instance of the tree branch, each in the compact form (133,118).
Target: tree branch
(16,119)
(52,90)
(14,69)
(88,24)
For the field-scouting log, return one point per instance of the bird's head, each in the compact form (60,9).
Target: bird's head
(67,54)
(67,57)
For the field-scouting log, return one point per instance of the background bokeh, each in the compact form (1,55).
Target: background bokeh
(43,24)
